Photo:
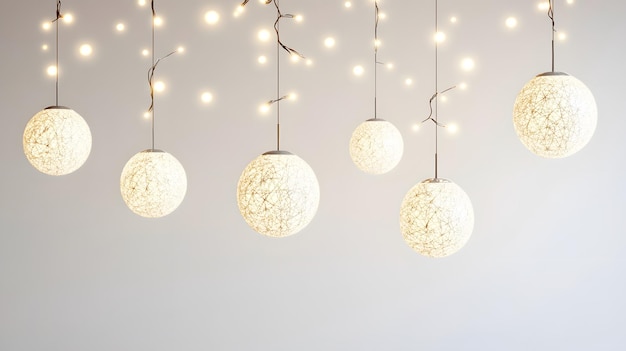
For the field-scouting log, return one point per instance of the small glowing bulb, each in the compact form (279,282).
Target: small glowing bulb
(463,86)
(238,11)
(415,127)
(329,42)
(52,70)
(261,1)
(377,43)
(146,115)
(382,15)
(570,2)
(158,21)
(262,60)
(180,49)
(358,70)
(453,19)
(120,27)
(309,62)
(68,18)
(295,58)
(440,37)
(44,47)
(468,64)
(347,4)
(211,17)
(263,35)
(206,97)
(562,36)
(299,18)
(544,5)
(443,98)
(141,2)
(452,128)
(390,66)
(408,81)
(159,86)
(264,108)
(145,52)
(511,22)
(86,50)
(46,25)
(292,96)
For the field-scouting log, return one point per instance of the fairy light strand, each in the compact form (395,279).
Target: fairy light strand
(290,51)
(151,71)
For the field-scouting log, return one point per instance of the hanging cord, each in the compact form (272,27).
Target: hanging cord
(290,51)
(436,94)
(58,17)
(376,63)
(151,72)
(551,16)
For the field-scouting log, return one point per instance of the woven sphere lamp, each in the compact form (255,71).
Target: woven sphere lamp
(57,140)
(436,218)
(376,146)
(153,183)
(555,115)
(278,194)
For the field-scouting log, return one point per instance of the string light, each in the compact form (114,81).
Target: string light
(262,60)
(57,140)
(86,50)
(436,215)
(278,193)
(329,42)
(511,22)
(211,17)
(153,183)
(120,27)
(468,64)
(358,70)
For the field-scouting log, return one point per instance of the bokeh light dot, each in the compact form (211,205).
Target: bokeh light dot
(358,70)
(206,97)
(329,42)
(86,50)
(211,17)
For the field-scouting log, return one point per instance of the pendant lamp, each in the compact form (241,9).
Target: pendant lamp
(57,140)
(555,114)
(278,193)
(153,183)
(376,145)
(436,215)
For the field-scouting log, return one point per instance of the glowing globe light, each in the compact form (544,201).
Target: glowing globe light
(555,115)
(436,218)
(57,141)
(278,194)
(153,183)
(376,146)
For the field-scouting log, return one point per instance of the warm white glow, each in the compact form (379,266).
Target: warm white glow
(347,4)
(147,115)
(453,19)
(555,115)
(44,47)
(511,22)
(278,194)
(294,58)
(262,60)
(264,108)
(153,183)
(57,141)
(376,146)
(239,10)
(390,66)
(141,2)
(46,25)
(452,128)
(463,86)
(120,27)
(309,62)
(382,15)
(468,64)
(415,127)
(86,50)
(408,81)
(358,70)
(180,50)
(145,52)
(299,18)
(443,98)
(562,36)
(159,86)
(440,37)
(158,21)
(570,2)
(543,6)
(377,43)
(211,17)
(263,35)
(52,70)
(292,96)
(68,18)
(206,97)
(329,42)
(436,218)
